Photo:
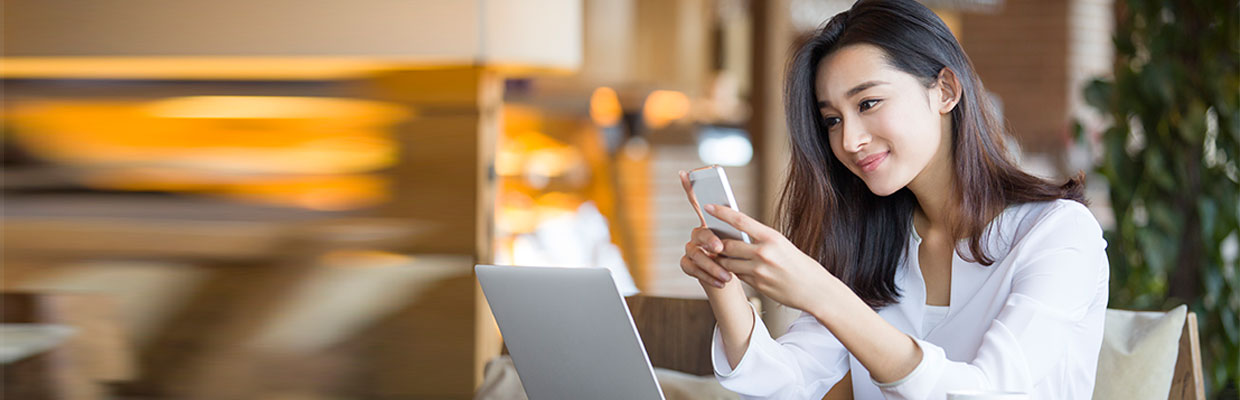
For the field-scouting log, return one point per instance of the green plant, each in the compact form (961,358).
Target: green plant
(1170,158)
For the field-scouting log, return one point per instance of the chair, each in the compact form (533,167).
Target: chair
(676,332)
(1186,376)
(677,335)
(1137,352)
(1187,381)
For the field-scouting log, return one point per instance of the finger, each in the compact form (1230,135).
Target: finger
(739,249)
(738,266)
(684,181)
(740,221)
(693,246)
(691,268)
(748,280)
(707,239)
(710,266)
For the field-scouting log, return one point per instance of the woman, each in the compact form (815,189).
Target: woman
(923,260)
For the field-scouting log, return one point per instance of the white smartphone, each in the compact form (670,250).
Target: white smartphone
(710,186)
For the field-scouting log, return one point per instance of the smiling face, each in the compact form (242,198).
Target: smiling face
(882,123)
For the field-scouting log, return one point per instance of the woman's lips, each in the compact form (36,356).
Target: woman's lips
(872,162)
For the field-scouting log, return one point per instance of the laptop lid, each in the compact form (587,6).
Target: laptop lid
(569,333)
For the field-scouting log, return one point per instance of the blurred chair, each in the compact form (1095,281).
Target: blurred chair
(1148,353)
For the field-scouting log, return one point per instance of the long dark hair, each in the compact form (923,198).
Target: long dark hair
(830,214)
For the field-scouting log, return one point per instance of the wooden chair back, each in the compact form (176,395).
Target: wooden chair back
(1187,381)
(676,332)
(677,335)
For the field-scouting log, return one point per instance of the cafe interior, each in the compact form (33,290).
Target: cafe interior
(286,199)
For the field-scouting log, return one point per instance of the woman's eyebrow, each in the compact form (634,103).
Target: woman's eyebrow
(856,89)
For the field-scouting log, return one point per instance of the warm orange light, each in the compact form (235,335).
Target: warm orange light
(554,204)
(241,134)
(552,162)
(355,112)
(605,107)
(518,149)
(516,214)
(329,193)
(313,153)
(663,107)
(315,192)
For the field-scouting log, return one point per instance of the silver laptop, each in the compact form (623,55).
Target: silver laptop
(569,333)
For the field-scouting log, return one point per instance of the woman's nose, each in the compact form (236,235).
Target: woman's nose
(855,137)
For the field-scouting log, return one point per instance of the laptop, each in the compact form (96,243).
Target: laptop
(569,333)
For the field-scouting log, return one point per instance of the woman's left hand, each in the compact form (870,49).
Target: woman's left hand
(771,264)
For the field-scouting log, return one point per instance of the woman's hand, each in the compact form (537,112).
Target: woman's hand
(771,264)
(699,259)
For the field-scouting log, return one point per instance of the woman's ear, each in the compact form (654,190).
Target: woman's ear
(949,90)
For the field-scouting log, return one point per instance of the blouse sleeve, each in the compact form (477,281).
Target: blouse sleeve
(1051,294)
(804,363)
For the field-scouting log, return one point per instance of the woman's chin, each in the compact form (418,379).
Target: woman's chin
(882,189)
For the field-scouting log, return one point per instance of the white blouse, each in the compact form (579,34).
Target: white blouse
(1031,322)
(934,315)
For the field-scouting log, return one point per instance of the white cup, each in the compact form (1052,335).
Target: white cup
(986,395)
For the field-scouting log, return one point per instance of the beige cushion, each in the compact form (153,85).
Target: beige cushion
(1138,354)
(500,382)
(681,386)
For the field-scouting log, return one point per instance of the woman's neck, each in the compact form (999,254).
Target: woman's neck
(933,188)
(932,216)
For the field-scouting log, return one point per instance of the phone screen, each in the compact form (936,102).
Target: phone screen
(710,186)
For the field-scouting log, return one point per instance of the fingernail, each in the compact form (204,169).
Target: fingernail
(719,284)
(718,246)
(724,277)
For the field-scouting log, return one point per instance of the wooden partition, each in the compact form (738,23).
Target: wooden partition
(446,183)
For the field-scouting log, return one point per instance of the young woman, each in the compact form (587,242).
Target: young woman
(922,258)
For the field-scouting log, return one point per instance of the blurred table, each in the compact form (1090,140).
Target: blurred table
(258,255)
(21,341)
(178,227)
(61,346)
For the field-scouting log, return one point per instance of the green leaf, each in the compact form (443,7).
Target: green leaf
(1098,94)
(1192,127)
(1156,169)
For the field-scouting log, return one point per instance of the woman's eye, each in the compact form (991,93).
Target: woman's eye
(868,104)
(831,122)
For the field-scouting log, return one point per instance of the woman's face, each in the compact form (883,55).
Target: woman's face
(882,123)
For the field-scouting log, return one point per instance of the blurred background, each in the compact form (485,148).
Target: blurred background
(285,199)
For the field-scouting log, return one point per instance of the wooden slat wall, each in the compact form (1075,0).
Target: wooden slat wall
(673,217)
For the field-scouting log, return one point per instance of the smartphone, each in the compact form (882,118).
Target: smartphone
(710,186)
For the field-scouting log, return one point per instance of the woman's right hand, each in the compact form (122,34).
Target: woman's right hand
(702,248)
(699,259)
